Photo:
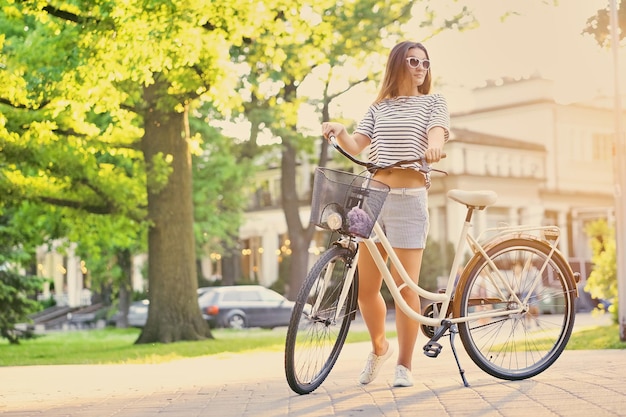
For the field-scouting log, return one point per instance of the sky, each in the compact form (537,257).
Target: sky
(542,39)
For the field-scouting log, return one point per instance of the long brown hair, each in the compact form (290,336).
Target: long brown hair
(396,71)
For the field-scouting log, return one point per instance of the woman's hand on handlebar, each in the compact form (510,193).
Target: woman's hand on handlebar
(353,144)
(434,155)
(332,129)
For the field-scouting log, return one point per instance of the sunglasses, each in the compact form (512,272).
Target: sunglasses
(415,62)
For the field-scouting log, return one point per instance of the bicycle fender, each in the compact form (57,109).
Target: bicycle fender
(478,257)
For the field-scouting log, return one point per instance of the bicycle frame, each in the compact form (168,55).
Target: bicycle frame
(446,297)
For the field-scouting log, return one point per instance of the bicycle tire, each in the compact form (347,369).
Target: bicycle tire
(517,346)
(315,338)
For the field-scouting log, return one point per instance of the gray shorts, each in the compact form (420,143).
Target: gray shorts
(404,218)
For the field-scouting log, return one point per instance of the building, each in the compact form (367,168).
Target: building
(550,163)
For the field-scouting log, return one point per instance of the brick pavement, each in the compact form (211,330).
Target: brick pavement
(580,383)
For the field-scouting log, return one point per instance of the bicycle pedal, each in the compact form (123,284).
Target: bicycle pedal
(432,349)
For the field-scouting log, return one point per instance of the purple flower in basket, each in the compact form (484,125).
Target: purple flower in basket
(360,223)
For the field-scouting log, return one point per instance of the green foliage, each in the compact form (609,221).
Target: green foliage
(15,304)
(17,289)
(220,182)
(68,167)
(605,337)
(602,282)
(297,44)
(73,79)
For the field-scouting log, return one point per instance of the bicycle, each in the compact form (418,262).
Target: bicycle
(513,272)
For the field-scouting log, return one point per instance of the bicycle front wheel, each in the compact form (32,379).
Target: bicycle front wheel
(320,320)
(538,289)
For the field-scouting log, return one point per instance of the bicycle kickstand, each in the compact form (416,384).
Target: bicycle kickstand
(432,349)
(453,331)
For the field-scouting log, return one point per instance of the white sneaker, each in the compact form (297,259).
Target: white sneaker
(404,378)
(373,365)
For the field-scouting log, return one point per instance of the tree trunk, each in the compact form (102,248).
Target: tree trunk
(124,260)
(299,236)
(174,314)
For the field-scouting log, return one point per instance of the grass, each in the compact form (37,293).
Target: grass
(117,346)
(603,337)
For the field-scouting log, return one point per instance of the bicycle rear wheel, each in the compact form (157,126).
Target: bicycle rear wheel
(320,321)
(517,345)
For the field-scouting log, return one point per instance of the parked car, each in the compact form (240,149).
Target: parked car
(236,307)
(138,313)
(242,306)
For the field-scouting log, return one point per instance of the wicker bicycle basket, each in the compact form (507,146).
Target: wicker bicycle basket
(345,202)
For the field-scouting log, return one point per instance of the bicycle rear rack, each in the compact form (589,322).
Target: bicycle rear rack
(493,235)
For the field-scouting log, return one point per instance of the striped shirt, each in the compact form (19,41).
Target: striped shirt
(398,128)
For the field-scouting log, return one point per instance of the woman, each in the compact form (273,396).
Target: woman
(404,122)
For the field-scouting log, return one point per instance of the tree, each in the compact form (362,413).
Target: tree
(17,288)
(68,168)
(602,282)
(598,25)
(16,303)
(279,60)
(220,181)
(321,38)
(120,79)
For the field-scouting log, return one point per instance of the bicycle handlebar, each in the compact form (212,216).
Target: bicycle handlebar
(372,167)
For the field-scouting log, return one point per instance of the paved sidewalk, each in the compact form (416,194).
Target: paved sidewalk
(580,383)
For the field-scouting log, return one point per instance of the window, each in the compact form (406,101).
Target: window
(239,295)
(602,146)
(267,295)
(249,296)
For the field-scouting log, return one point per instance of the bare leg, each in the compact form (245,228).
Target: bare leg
(371,302)
(406,327)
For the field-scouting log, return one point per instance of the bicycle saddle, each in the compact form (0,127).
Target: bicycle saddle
(477,199)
